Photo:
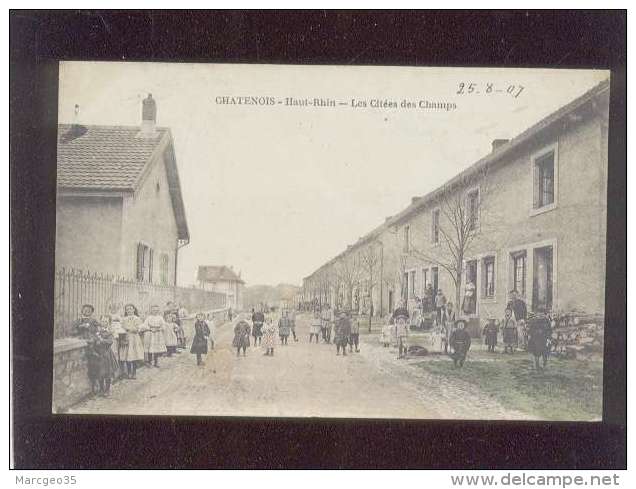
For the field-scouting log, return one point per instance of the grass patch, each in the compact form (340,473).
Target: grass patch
(565,390)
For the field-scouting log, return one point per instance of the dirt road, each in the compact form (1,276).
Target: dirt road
(301,380)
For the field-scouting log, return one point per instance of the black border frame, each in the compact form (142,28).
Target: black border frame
(38,39)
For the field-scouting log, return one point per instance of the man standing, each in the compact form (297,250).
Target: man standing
(460,343)
(518,306)
(342,332)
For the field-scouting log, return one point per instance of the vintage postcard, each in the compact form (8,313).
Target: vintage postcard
(330,241)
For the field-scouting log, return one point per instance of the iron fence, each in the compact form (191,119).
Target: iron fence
(73,288)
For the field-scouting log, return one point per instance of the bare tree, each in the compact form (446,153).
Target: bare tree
(461,219)
(369,263)
(348,274)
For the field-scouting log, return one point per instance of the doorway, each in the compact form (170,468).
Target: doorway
(542,280)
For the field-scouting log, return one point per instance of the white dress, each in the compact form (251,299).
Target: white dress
(154,326)
(169,335)
(135,349)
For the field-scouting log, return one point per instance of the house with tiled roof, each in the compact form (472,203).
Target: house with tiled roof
(225,280)
(120,209)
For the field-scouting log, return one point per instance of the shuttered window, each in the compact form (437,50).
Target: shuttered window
(139,275)
(144,263)
(150,260)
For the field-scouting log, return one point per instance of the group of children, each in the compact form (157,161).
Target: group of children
(345,329)
(117,345)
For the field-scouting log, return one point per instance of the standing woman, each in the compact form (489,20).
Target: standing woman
(200,341)
(155,326)
(134,350)
(470,303)
(241,336)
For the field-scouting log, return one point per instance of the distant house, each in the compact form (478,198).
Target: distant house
(224,280)
(119,203)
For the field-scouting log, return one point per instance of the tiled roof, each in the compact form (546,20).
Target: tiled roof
(114,158)
(215,273)
(102,157)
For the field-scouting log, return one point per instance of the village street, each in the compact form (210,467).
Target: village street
(301,380)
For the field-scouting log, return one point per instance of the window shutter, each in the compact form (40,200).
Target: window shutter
(150,260)
(140,262)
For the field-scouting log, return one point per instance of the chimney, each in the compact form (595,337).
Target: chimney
(414,200)
(148,115)
(387,218)
(497,143)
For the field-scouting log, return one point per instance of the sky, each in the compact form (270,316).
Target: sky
(276,190)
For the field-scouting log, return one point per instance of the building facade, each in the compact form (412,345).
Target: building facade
(530,216)
(224,280)
(119,203)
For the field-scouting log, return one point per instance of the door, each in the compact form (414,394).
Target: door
(542,280)
(390,301)
(435,278)
(471,278)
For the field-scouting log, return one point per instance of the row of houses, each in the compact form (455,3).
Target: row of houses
(529,216)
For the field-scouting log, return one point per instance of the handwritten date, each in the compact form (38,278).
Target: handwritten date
(489,88)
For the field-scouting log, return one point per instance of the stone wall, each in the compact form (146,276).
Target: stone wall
(70,378)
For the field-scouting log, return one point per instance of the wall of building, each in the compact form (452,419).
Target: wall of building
(88,231)
(231,289)
(148,217)
(575,227)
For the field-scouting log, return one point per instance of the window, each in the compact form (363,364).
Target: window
(519,272)
(488,267)
(435,227)
(544,180)
(407,237)
(165,264)
(425,279)
(143,269)
(473,209)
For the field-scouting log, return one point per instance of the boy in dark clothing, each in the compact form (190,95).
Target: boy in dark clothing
(460,343)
